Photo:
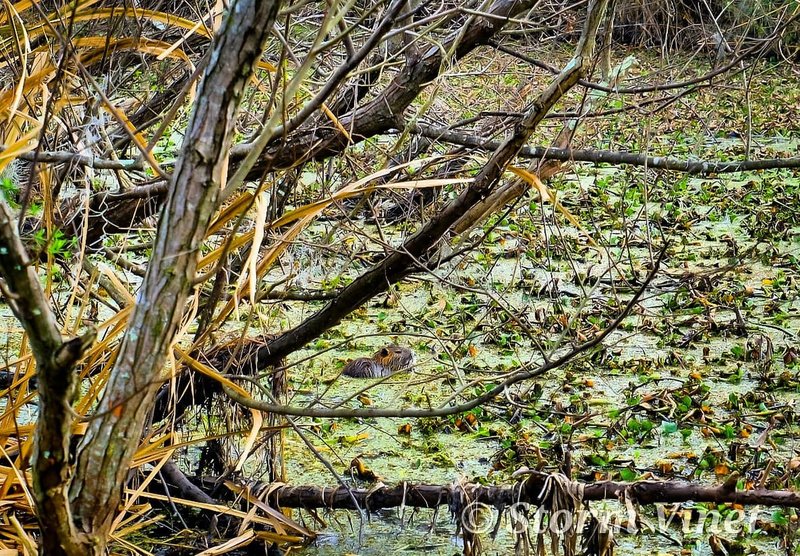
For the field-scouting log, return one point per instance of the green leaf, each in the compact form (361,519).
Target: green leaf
(779,518)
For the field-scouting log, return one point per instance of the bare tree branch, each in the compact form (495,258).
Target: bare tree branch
(383,112)
(694,167)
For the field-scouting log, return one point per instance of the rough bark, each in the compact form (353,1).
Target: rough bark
(111,439)
(55,360)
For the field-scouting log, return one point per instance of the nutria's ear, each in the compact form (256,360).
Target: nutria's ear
(384,352)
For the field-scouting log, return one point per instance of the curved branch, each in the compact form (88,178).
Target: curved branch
(513,379)
(759,47)
(55,360)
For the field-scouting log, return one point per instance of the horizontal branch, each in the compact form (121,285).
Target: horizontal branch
(442,134)
(696,167)
(527,491)
(60,157)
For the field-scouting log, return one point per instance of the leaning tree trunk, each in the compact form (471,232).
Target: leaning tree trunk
(105,453)
(55,361)
(417,247)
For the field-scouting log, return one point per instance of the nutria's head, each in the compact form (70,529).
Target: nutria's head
(395,358)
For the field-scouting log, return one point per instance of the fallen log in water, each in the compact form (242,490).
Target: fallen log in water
(528,490)
(552,495)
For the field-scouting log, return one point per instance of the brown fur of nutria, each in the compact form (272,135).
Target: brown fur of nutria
(384,362)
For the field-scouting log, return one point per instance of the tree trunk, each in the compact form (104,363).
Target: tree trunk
(105,453)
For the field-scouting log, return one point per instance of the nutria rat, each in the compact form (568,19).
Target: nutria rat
(384,362)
